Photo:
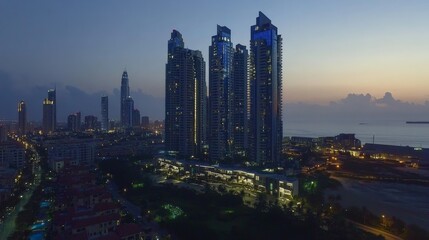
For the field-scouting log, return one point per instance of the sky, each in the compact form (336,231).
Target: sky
(332,50)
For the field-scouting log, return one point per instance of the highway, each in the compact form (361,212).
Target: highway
(376,231)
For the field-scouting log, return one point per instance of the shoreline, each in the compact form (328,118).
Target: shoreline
(406,202)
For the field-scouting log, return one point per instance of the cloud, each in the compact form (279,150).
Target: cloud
(358,108)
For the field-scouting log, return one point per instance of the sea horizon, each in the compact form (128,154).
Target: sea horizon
(389,132)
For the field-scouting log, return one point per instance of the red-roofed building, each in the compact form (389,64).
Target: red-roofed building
(96,226)
(129,231)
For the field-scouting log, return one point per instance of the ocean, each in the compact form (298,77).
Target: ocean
(392,132)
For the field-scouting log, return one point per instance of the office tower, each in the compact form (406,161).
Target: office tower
(128,109)
(240,112)
(48,116)
(74,122)
(145,122)
(125,93)
(91,122)
(105,113)
(52,96)
(185,99)
(136,118)
(22,118)
(221,98)
(265,78)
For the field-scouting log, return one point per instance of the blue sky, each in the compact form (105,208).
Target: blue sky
(331,48)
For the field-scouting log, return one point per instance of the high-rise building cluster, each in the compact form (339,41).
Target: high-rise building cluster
(241,116)
(129,116)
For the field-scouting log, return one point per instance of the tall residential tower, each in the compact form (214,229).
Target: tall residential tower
(240,110)
(265,77)
(221,99)
(185,99)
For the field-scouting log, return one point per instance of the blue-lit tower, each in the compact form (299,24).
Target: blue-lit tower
(221,95)
(265,78)
(240,111)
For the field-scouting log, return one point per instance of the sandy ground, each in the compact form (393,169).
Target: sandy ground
(407,202)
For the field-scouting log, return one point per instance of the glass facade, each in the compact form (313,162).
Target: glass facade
(265,79)
(221,95)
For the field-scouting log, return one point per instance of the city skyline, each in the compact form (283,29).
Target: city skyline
(377,48)
(394,37)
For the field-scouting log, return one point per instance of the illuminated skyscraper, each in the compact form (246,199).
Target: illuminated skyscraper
(22,117)
(185,99)
(52,96)
(240,110)
(265,78)
(125,93)
(48,116)
(105,113)
(221,98)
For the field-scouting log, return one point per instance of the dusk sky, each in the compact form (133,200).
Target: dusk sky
(330,48)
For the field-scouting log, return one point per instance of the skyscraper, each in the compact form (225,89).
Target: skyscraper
(128,109)
(265,78)
(221,98)
(52,96)
(22,117)
(136,118)
(48,116)
(185,99)
(240,111)
(125,93)
(104,113)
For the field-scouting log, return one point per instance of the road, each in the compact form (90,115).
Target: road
(8,226)
(376,231)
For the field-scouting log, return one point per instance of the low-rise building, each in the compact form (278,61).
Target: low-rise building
(274,184)
(70,152)
(406,154)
